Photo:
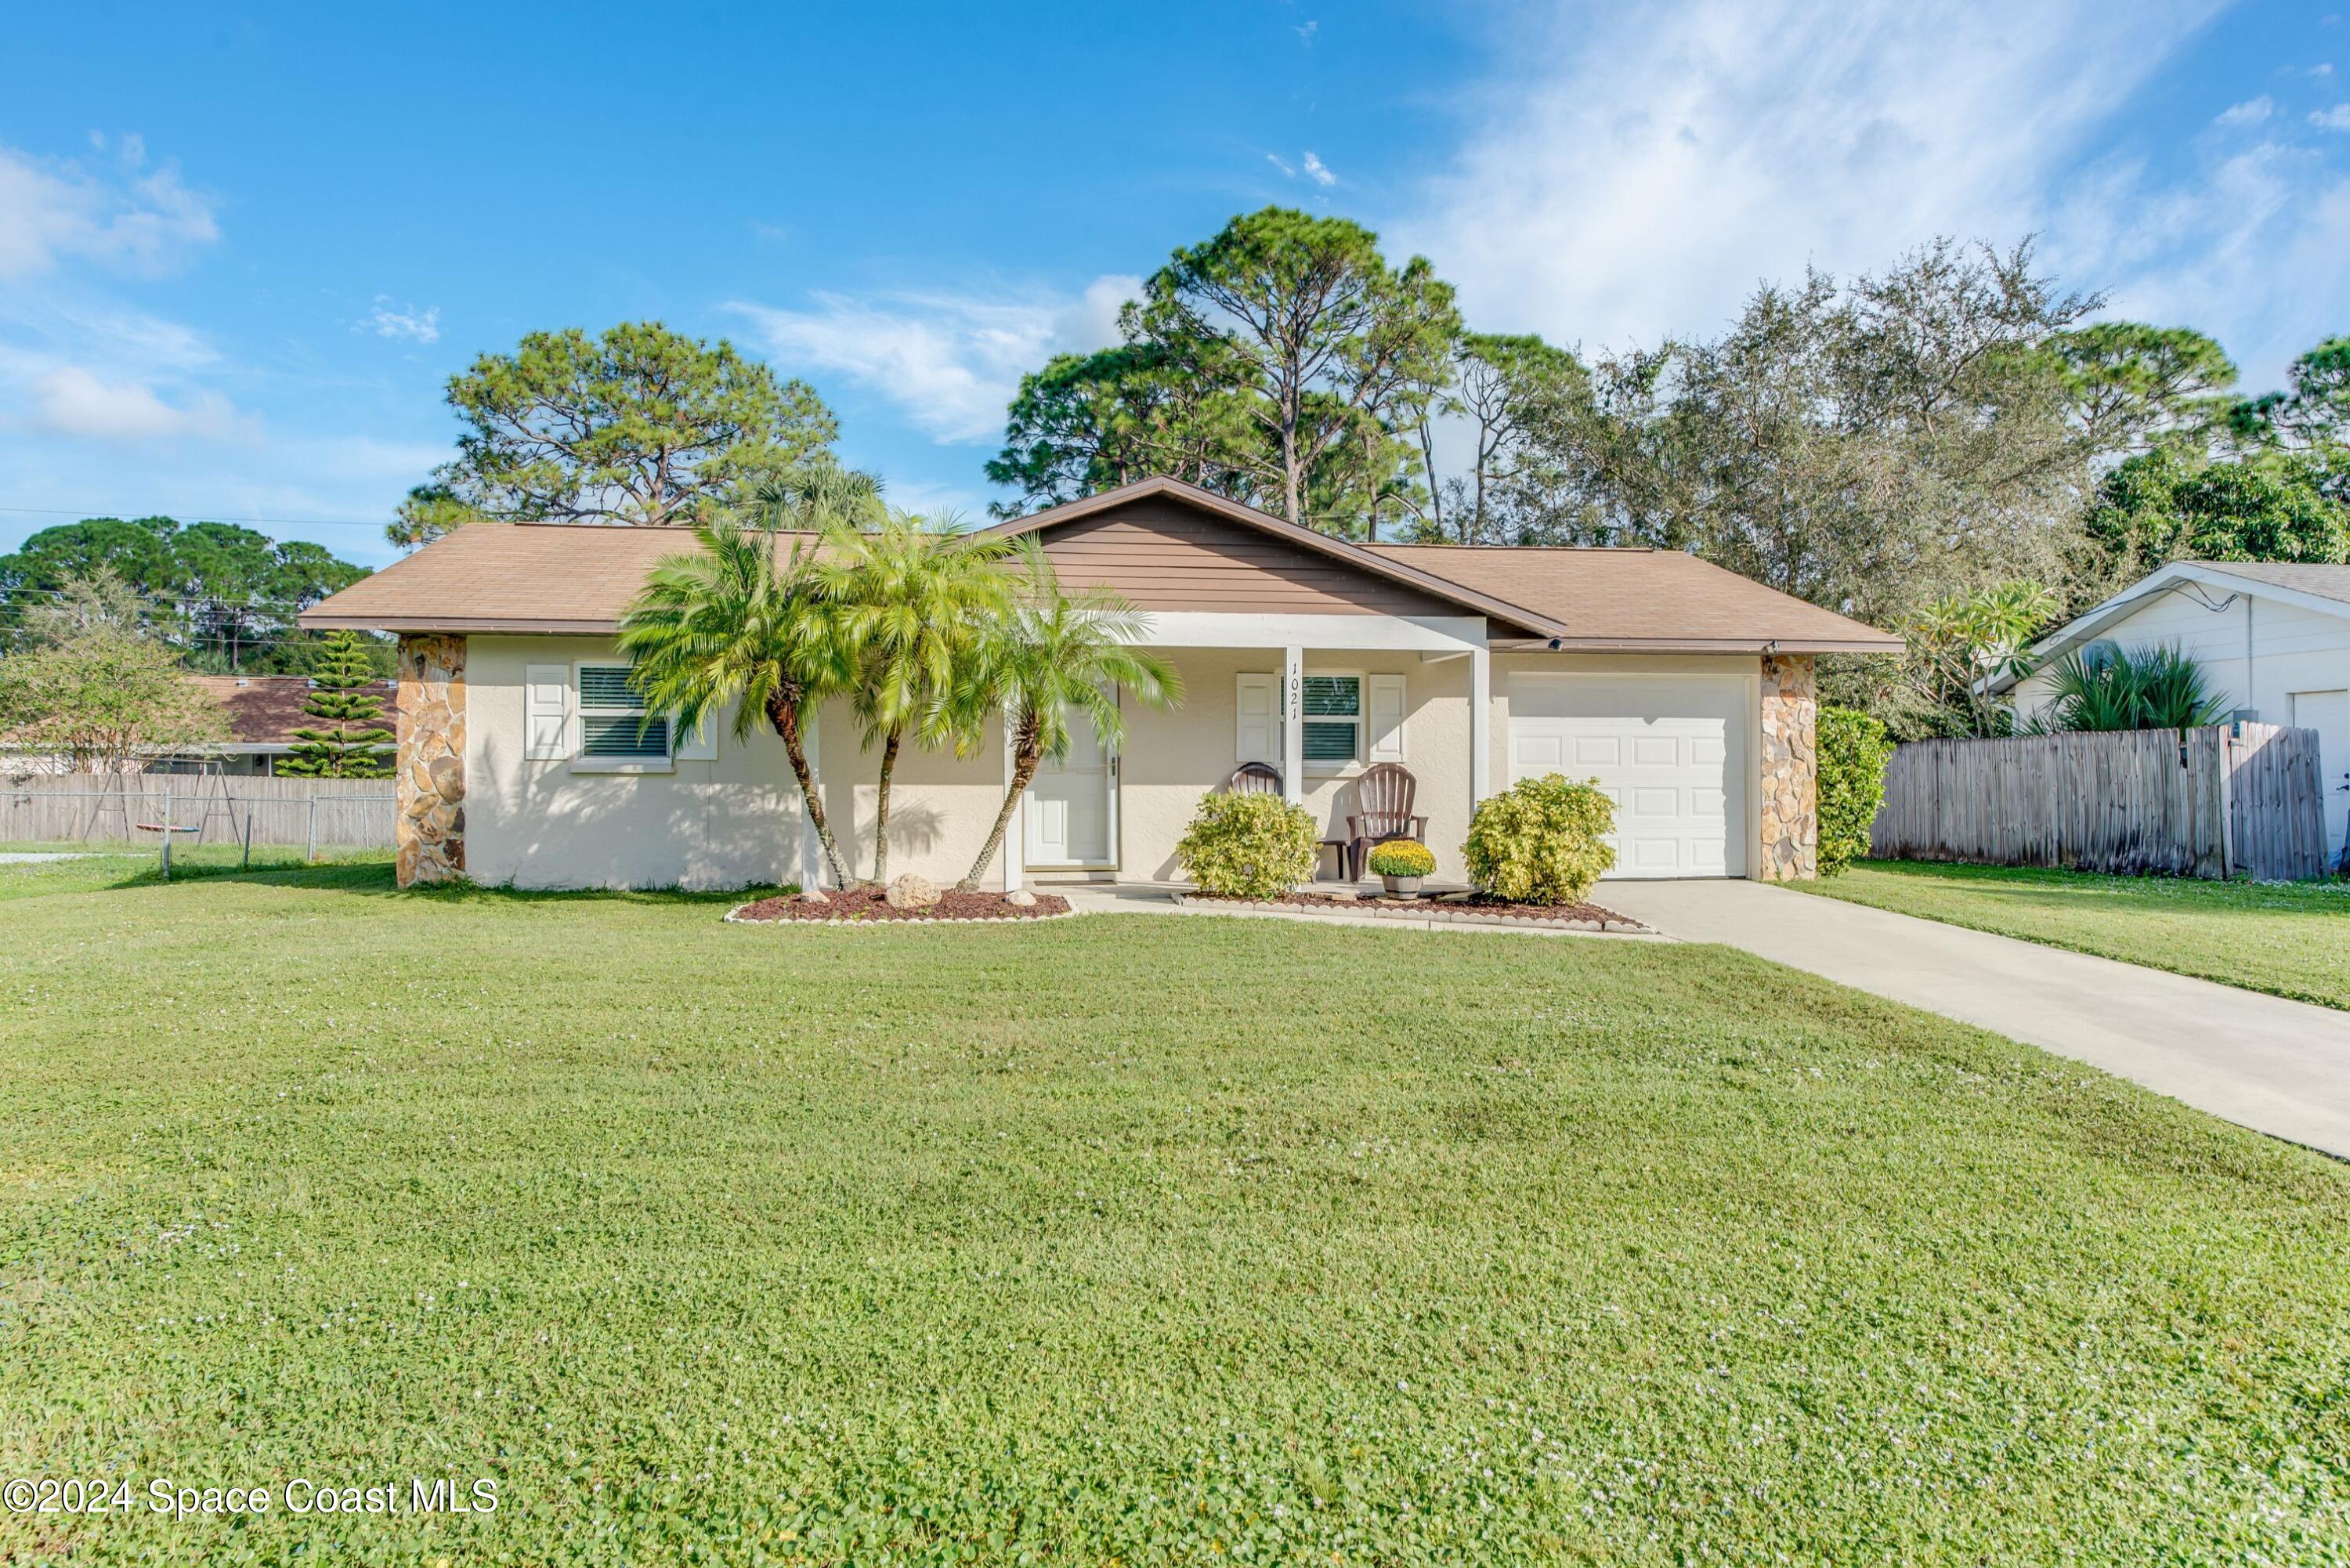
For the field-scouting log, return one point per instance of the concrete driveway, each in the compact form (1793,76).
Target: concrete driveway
(2282,1067)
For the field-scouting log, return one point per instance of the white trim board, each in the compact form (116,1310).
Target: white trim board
(1216,628)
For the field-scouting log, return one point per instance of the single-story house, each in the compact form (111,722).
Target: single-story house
(264,712)
(1685,690)
(2274,637)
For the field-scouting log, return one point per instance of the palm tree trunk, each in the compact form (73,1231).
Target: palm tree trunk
(881,808)
(1025,757)
(784,713)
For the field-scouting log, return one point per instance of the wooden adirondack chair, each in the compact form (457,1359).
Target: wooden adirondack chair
(1254,778)
(1382,813)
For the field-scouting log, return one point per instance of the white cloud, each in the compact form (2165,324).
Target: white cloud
(2334,119)
(1305,33)
(949,361)
(71,401)
(2246,248)
(423,325)
(123,215)
(1313,168)
(2252,111)
(1638,173)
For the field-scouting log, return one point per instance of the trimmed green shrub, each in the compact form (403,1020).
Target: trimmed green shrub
(1853,751)
(1402,857)
(1539,842)
(1249,846)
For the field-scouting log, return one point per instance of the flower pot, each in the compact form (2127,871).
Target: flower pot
(1401,886)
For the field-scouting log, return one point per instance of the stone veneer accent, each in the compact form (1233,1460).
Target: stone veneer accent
(430,833)
(1790,774)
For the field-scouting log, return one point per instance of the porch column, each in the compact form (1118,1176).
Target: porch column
(1293,723)
(1014,849)
(1480,724)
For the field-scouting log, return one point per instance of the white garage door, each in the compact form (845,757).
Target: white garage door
(1669,750)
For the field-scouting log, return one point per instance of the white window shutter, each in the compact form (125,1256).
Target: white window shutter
(546,712)
(1258,737)
(699,745)
(1383,717)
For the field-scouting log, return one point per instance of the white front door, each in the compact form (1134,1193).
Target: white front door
(1072,806)
(1669,750)
(2328,713)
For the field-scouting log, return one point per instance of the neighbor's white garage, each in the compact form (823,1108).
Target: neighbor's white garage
(1671,751)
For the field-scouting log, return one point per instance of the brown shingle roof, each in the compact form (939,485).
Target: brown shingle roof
(575,579)
(266,710)
(507,576)
(1634,599)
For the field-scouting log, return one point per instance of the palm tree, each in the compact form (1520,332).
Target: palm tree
(2108,688)
(914,600)
(745,621)
(1055,653)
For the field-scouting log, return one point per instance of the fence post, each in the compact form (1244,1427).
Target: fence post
(310,854)
(246,864)
(167,832)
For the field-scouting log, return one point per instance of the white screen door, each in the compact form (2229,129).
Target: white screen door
(1072,806)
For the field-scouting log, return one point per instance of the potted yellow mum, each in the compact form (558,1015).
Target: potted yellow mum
(1401,864)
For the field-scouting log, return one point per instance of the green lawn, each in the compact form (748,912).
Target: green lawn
(1120,1238)
(2292,940)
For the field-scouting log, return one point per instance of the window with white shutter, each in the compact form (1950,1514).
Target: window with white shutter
(613,723)
(1333,721)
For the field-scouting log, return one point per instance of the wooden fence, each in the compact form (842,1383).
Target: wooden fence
(2195,802)
(59,808)
(2277,803)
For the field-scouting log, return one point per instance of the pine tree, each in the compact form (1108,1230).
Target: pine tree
(339,697)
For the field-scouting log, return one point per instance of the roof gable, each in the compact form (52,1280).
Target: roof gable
(2310,586)
(1341,573)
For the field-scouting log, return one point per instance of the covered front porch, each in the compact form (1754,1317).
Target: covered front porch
(1319,700)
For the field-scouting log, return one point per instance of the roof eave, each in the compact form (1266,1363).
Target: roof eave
(1754,645)
(311,620)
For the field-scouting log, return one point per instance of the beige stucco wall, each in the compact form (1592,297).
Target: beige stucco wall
(719,824)
(737,820)
(940,805)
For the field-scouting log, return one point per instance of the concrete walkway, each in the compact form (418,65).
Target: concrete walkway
(2282,1067)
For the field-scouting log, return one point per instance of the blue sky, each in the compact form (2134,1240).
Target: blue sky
(241,250)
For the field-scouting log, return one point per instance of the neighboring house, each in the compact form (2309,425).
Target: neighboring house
(1685,690)
(264,712)
(2274,637)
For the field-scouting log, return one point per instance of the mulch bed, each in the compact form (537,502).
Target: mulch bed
(866,906)
(1465,909)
